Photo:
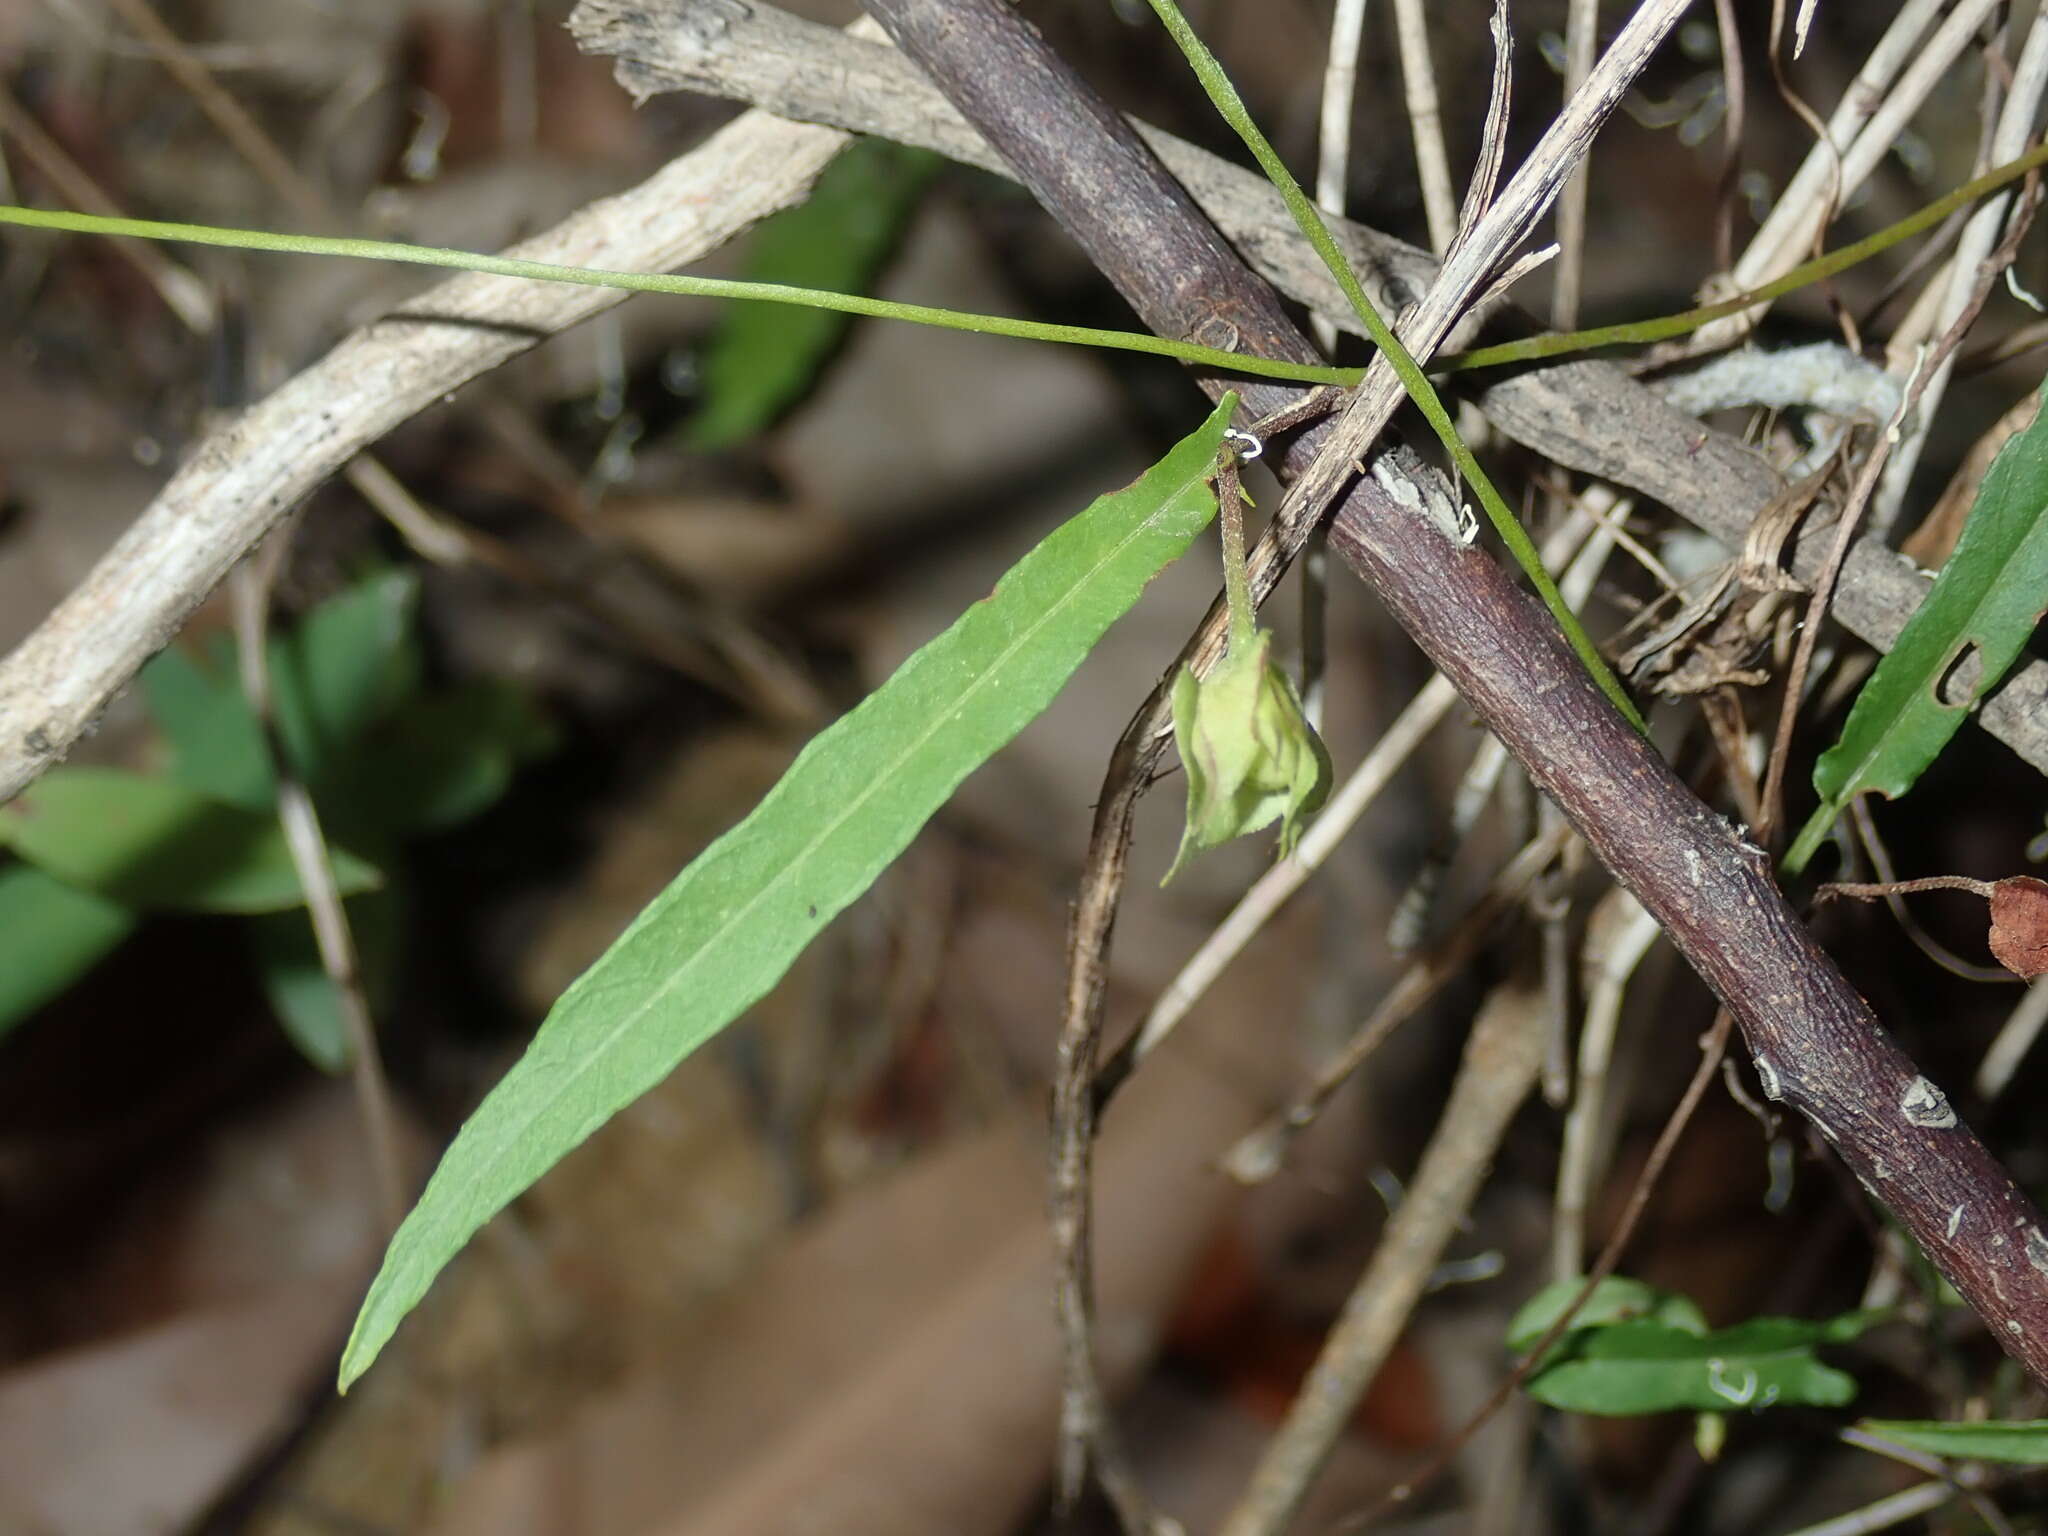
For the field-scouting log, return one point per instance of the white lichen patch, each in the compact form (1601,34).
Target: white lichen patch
(2037,1249)
(1767,1077)
(1926,1106)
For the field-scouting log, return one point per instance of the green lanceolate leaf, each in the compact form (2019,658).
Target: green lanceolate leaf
(732,922)
(1982,608)
(1250,755)
(50,935)
(765,356)
(2024,1441)
(143,842)
(1650,1367)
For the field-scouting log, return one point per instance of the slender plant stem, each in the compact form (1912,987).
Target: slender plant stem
(1528,349)
(677,283)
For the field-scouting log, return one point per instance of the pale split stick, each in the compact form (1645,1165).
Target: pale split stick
(1571,203)
(243,479)
(1618,934)
(306,844)
(2008,140)
(1426,124)
(1333,140)
(2015,1038)
(1333,170)
(1865,125)
(1494,1077)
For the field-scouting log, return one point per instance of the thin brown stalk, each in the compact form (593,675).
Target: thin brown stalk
(311,859)
(1403,1493)
(1499,1067)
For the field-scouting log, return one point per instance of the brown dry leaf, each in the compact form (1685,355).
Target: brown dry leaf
(2019,925)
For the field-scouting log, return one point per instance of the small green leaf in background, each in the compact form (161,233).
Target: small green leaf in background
(1649,1367)
(300,993)
(216,746)
(50,935)
(2024,1441)
(765,356)
(439,759)
(1986,602)
(348,663)
(730,924)
(1616,1299)
(143,842)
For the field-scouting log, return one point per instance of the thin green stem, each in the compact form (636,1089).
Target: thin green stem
(1230,106)
(1640,332)
(676,283)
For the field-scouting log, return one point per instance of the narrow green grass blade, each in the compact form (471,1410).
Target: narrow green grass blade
(729,926)
(1984,605)
(2021,1441)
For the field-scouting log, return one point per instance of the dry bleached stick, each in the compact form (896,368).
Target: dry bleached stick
(1587,416)
(243,479)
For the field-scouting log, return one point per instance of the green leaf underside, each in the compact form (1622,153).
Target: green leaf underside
(1646,1367)
(731,924)
(1986,602)
(765,356)
(144,842)
(50,935)
(2024,1441)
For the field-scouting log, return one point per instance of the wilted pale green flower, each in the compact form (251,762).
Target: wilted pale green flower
(1250,754)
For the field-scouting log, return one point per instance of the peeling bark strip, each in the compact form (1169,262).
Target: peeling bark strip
(1817,1045)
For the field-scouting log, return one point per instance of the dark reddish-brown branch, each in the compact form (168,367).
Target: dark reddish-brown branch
(1816,1044)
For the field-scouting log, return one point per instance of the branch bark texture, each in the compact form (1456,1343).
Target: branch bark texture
(1816,1043)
